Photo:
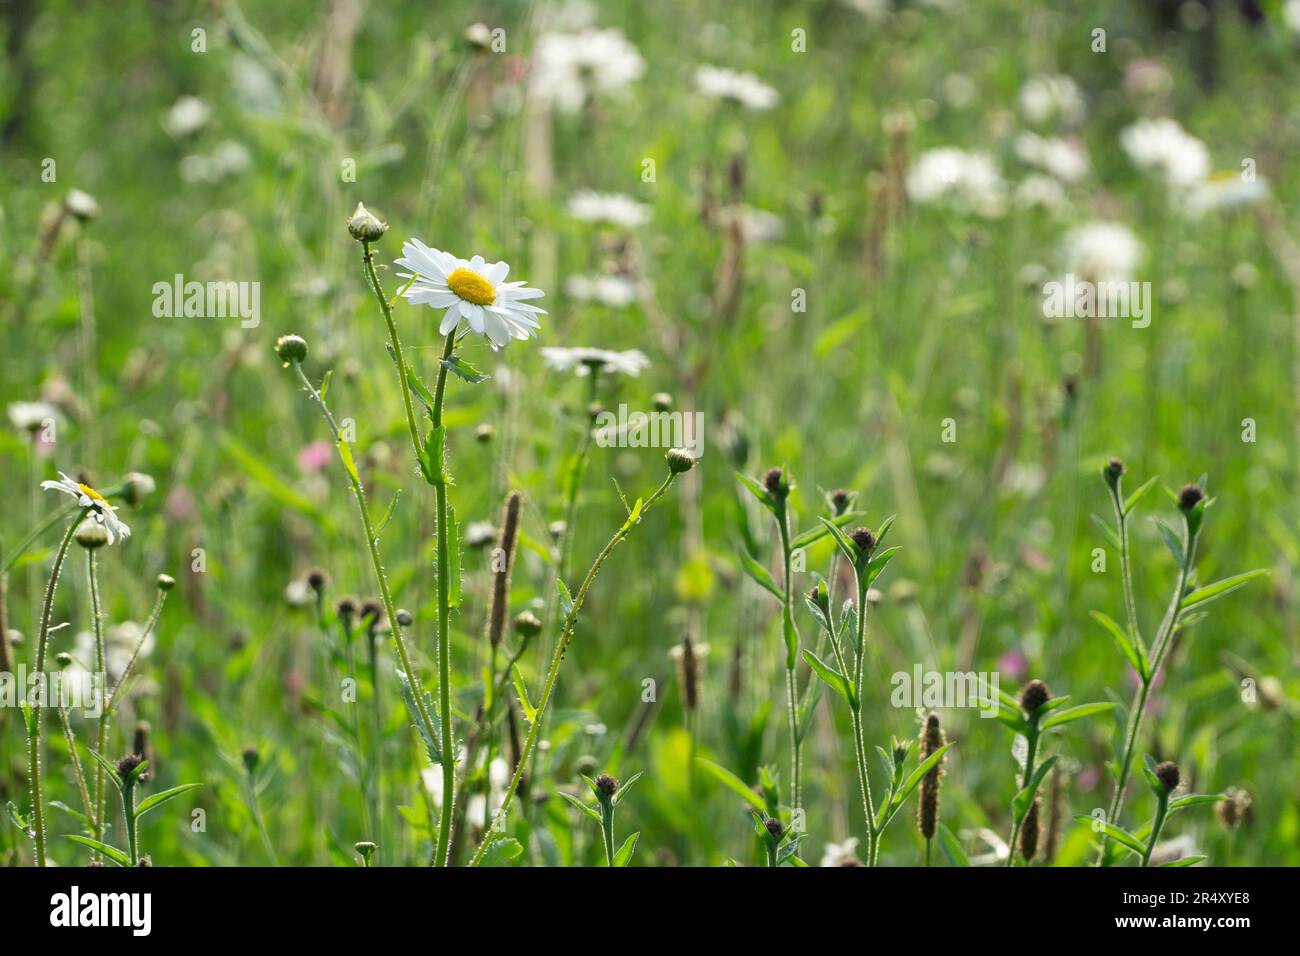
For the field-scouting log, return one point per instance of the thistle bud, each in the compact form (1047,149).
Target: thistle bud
(91,534)
(291,348)
(928,811)
(1236,809)
(819,598)
(127,765)
(346,608)
(1112,471)
(166,582)
(1189,497)
(370,610)
(607,785)
(774,828)
(1167,774)
(1033,696)
(865,539)
(365,226)
(775,483)
(679,460)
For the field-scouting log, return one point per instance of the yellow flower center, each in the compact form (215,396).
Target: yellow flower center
(471,287)
(91,493)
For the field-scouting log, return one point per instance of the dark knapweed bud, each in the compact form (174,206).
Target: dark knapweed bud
(365,226)
(370,610)
(126,766)
(1029,832)
(166,582)
(607,785)
(404,617)
(1112,471)
(864,538)
(1167,774)
(679,460)
(316,580)
(251,759)
(1189,497)
(774,482)
(527,624)
(1236,809)
(1034,695)
(291,348)
(819,597)
(928,812)
(774,828)
(346,608)
(840,500)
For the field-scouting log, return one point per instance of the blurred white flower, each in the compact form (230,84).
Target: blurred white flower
(614,208)
(1162,147)
(841,854)
(743,88)
(1226,190)
(1291,15)
(569,67)
(970,181)
(1064,159)
(1103,252)
(1039,190)
(1179,848)
(32,416)
(756,225)
(613,291)
(88,497)
(583,360)
(189,114)
(1045,98)
(470,290)
(228,159)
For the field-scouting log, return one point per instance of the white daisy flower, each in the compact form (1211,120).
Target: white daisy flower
(583,360)
(841,854)
(1103,252)
(1064,159)
(99,507)
(1163,147)
(32,416)
(470,290)
(970,181)
(614,208)
(743,88)
(569,67)
(189,114)
(613,291)
(1038,190)
(1291,15)
(1226,190)
(1052,97)
(756,225)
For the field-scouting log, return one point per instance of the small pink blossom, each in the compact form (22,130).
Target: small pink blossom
(314,455)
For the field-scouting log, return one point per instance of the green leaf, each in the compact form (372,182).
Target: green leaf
(1137,496)
(758,491)
(158,799)
(75,814)
(463,370)
(566,599)
(814,535)
(1119,835)
(388,514)
(453,559)
(833,678)
(1218,589)
(626,786)
(521,689)
(734,784)
(1137,660)
(877,565)
(633,516)
(501,851)
(1107,532)
(1025,798)
(1173,541)
(112,852)
(109,767)
(624,855)
(884,529)
(17,819)
(951,847)
(428,734)
(760,574)
(842,541)
(1185,861)
(1076,713)
(574,801)
(433,457)
(1193,800)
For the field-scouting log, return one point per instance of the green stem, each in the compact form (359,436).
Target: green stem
(607,830)
(561,646)
(441,855)
(791,658)
(369,259)
(101,666)
(1162,807)
(859,732)
(34,718)
(1031,752)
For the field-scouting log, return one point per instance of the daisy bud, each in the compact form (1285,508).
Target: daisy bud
(63,659)
(479,37)
(865,539)
(661,401)
(1167,774)
(404,617)
(80,205)
(527,624)
(679,460)
(366,849)
(365,226)
(1112,472)
(1189,497)
(1033,696)
(166,582)
(607,785)
(91,534)
(291,348)
(485,433)
(556,529)
(137,486)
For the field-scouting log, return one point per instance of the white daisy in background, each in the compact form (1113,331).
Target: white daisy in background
(969,181)
(32,416)
(570,67)
(470,290)
(584,360)
(614,208)
(1291,15)
(743,88)
(613,291)
(1223,191)
(1045,98)
(1103,252)
(1064,159)
(1039,190)
(189,114)
(756,225)
(1162,147)
(841,854)
(99,507)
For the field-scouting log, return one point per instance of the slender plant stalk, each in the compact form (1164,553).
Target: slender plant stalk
(1031,752)
(34,717)
(561,645)
(101,666)
(1162,809)
(77,769)
(791,662)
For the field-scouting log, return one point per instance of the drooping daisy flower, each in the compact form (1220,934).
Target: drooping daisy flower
(613,291)
(970,181)
(1163,147)
(743,88)
(584,360)
(1045,98)
(570,67)
(1103,252)
(614,208)
(472,290)
(99,507)
(841,854)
